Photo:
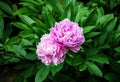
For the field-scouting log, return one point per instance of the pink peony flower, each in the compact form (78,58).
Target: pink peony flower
(49,51)
(69,34)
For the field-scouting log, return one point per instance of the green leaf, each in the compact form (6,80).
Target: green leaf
(92,18)
(78,16)
(13,40)
(100,11)
(92,51)
(39,30)
(26,19)
(70,55)
(42,74)
(110,25)
(1,27)
(66,3)
(24,10)
(21,26)
(25,42)
(105,46)
(68,13)
(22,66)
(81,11)
(114,3)
(112,77)
(93,69)
(56,69)
(52,20)
(31,56)
(56,6)
(83,67)
(87,29)
(2,14)
(102,38)
(28,72)
(105,19)
(13,60)
(76,60)
(29,3)
(82,21)
(42,24)
(99,58)
(117,49)
(7,32)
(115,65)
(19,50)
(5,7)
(92,34)
(28,34)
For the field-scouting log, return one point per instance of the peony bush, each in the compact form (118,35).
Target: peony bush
(59,40)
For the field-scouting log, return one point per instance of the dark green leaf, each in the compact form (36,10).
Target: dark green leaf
(102,38)
(29,3)
(52,20)
(110,25)
(13,60)
(82,21)
(115,65)
(92,34)
(13,40)
(24,10)
(25,42)
(5,7)
(56,69)
(1,27)
(99,58)
(105,19)
(83,67)
(93,69)
(117,49)
(92,51)
(80,11)
(2,14)
(42,74)
(66,3)
(87,29)
(7,31)
(31,56)
(106,46)
(69,54)
(100,11)
(92,18)
(19,50)
(28,72)
(42,24)
(76,60)
(21,26)
(112,77)
(26,19)
(22,66)
(56,5)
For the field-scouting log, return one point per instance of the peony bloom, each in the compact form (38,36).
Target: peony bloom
(49,51)
(69,34)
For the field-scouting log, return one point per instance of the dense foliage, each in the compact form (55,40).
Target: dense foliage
(23,22)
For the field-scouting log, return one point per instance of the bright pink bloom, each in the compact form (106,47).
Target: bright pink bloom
(69,34)
(49,51)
